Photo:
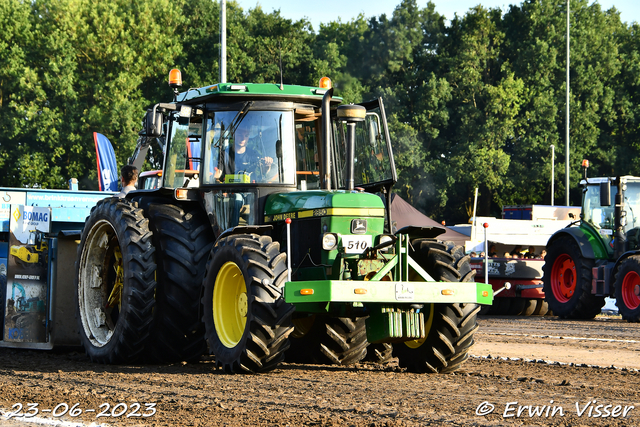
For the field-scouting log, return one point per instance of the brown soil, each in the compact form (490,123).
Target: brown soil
(361,395)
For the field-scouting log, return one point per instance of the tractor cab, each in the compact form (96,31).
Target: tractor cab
(599,209)
(250,141)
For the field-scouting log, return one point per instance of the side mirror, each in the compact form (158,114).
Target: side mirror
(279,149)
(153,124)
(185,115)
(374,130)
(605,193)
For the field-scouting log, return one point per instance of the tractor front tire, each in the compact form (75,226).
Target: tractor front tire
(450,328)
(567,281)
(247,322)
(627,278)
(115,282)
(183,240)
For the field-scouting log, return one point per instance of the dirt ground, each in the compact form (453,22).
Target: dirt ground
(523,371)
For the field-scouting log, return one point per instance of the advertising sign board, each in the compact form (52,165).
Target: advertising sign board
(26,292)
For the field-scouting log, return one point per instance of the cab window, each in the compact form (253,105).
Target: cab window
(307,158)
(256,147)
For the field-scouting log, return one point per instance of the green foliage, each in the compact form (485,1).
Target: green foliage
(256,41)
(80,69)
(475,102)
(15,80)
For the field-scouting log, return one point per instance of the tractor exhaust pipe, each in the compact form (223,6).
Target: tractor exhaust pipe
(351,114)
(326,138)
(620,241)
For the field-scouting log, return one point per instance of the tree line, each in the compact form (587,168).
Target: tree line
(474,102)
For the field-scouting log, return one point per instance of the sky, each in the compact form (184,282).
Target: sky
(330,10)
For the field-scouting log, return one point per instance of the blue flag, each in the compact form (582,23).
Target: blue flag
(108,175)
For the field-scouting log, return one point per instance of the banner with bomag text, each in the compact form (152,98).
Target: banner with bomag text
(26,288)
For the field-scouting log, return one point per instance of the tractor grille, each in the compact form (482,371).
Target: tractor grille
(306,242)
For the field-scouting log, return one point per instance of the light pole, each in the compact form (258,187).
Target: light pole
(223,41)
(566,156)
(553,171)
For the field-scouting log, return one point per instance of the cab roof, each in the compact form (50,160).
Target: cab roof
(601,179)
(255,90)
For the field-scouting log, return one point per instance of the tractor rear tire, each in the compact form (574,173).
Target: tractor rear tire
(379,353)
(450,327)
(247,322)
(450,330)
(330,341)
(115,268)
(626,280)
(183,240)
(486,310)
(567,281)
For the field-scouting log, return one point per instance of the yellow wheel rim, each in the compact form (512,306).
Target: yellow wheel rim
(230,304)
(115,298)
(427,327)
(302,326)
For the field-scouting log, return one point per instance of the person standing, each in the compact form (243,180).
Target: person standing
(531,253)
(129,177)
(492,251)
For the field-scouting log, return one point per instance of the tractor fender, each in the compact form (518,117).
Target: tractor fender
(579,236)
(165,193)
(144,198)
(622,258)
(415,232)
(246,229)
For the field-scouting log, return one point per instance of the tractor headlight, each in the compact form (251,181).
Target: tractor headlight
(329,241)
(386,240)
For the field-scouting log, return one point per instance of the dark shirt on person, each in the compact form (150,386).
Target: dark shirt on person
(244,162)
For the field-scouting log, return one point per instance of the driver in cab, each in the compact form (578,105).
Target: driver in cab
(243,159)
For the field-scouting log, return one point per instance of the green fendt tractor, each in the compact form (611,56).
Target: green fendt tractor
(601,256)
(284,249)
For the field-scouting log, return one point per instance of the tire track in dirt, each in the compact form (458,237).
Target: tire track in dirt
(601,342)
(361,395)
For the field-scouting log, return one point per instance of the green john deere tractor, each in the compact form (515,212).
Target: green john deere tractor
(284,250)
(600,257)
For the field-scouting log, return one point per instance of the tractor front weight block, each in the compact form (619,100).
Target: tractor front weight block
(395,324)
(326,291)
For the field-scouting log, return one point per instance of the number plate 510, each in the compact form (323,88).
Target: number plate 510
(356,244)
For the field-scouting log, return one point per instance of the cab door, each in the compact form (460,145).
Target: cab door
(176,152)
(374,166)
(182,153)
